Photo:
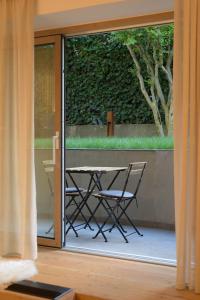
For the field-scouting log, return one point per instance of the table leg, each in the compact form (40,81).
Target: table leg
(83,202)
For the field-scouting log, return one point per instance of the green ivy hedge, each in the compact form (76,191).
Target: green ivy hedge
(98,79)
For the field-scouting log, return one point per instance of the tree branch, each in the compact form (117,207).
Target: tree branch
(139,75)
(167,69)
(159,88)
(152,103)
(144,54)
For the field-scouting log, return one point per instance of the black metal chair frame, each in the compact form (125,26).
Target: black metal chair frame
(121,204)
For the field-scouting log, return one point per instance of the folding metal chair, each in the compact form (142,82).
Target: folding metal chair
(116,202)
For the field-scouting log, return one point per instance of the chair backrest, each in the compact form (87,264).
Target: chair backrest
(48,166)
(135,168)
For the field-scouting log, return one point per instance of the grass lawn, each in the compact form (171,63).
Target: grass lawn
(110,143)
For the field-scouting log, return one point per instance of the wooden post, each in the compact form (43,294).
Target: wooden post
(110,123)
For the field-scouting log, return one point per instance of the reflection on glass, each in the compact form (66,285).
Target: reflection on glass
(44,131)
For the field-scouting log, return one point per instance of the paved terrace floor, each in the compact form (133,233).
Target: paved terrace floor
(157,245)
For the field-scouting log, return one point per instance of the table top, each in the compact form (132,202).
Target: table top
(93,169)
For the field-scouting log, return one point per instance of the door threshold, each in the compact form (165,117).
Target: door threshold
(118,255)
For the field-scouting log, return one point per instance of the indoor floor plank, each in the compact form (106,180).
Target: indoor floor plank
(108,278)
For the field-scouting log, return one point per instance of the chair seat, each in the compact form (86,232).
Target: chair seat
(115,194)
(72,190)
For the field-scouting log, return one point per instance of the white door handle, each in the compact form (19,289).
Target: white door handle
(55,142)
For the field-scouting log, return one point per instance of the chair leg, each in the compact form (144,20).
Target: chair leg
(49,230)
(111,212)
(67,220)
(117,218)
(76,211)
(75,215)
(123,212)
(102,226)
(93,213)
(113,226)
(133,225)
(84,218)
(111,215)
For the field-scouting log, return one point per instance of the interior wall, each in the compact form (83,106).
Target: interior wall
(52,6)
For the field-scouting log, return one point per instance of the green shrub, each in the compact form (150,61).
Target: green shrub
(98,79)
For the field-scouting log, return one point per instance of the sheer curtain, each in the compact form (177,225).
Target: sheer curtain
(17,179)
(187,141)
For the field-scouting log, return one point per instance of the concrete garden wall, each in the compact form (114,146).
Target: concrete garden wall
(156,199)
(121,130)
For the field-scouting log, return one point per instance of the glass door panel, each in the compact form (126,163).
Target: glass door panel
(47,139)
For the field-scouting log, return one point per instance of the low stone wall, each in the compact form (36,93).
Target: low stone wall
(122,130)
(156,194)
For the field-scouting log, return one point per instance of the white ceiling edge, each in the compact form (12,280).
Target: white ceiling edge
(115,9)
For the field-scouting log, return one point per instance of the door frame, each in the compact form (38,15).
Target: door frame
(110,25)
(90,28)
(56,40)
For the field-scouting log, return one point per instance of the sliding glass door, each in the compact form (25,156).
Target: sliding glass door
(48,114)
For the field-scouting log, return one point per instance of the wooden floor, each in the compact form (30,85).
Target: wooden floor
(95,277)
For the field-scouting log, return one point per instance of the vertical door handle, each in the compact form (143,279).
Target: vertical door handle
(55,141)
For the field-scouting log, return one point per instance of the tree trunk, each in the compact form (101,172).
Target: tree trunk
(170,121)
(157,120)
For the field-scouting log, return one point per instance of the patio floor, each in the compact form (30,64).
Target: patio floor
(157,245)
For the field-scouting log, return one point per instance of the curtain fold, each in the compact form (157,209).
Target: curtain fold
(17,184)
(187,142)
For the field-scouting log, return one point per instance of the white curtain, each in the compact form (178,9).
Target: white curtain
(17,178)
(187,142)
